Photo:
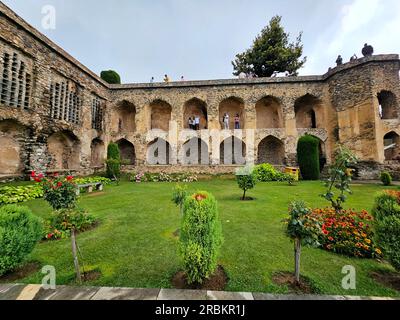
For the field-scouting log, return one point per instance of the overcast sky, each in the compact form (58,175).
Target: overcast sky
(200,38)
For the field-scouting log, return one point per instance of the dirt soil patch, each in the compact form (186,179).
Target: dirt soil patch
(217,282)
(91,275)
(288,279)
(387,278)
(21,273)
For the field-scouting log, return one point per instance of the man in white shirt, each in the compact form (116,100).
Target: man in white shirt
(197,123)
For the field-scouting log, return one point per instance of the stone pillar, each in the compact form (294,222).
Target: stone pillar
(291,130)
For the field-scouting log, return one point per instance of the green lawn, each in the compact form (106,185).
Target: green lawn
(134,245)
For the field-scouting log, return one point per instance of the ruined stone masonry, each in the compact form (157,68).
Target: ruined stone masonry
(55,114)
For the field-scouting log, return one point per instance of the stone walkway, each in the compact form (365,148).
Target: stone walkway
(36,292)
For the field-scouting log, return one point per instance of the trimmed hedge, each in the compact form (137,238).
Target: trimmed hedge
(386,212)
(110,76)
(308,157)
(20,230)
(200,237)
(113,161)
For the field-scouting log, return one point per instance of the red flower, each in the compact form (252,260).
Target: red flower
(59,184)
(37,179)
(33,174)
(69,178)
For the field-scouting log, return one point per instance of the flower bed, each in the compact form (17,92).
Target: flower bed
(163,177)
(349,233)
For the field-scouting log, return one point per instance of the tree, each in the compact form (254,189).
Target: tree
(303,229)
(340,177)
(246,179)
(110,76)
(308,157)
(271,52)
(113,161)
(179,195)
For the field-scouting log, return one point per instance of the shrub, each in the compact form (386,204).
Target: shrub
(113,168)
(303,229)
(387,225)
(386,178)
(164,177)
(246,180)
(179,195)
(289,178)
(9,195)
(59,227)
(86,180)
(20,230)
(349,233)
(113,161)
(200,237)
(308,157)
(59,191)
(339,178)
(266,172)
(110,76)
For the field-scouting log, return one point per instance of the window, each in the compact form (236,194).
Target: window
(97,114)
(15,81)
(65,103)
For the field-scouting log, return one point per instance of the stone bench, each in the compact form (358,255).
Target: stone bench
(89,187)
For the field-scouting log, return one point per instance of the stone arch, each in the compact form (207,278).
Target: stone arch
(160,115)
(269,113)
(308,112)
(97,153)
(195,152)
(232,151)
(125,120)
(64,149)
(127,151)
(159,152)
(232,106)
(195,108)
(391,143)
(12,134)
(271,150)
(388,106)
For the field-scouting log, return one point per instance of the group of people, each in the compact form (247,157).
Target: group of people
(166,79)
(226,120)
(194,123)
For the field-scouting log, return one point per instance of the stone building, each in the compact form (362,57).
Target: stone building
(55,114)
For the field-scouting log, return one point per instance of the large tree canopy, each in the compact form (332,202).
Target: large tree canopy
(271,52)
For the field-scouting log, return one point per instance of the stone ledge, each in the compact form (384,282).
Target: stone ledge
(36,292)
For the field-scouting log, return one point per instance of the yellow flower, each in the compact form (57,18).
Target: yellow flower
(368,241)
(378,251)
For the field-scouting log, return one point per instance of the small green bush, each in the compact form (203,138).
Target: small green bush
(386,178)
(386,212)
(308,157)
(246,179)
(113,168)
(266,172)
(111,76)
(20,230)
(200,237)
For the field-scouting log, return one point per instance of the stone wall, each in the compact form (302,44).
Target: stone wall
(64,115)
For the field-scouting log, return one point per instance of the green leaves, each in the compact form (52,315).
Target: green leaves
(340,177)
(271,52)
(9,195)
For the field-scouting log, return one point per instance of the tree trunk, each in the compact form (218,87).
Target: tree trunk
(244,195)
(297,253)
(75,255)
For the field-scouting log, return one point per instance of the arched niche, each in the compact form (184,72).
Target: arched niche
(232,151)
(232,106)
(388,106)
(125,120)
(160,115)
(159,152)
(64,149)
(271,150)
(97,153)
(195,108)
(195,152)
(308,112)
(269,113)
(127,151)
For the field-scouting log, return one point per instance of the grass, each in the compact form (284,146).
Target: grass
(134,245)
